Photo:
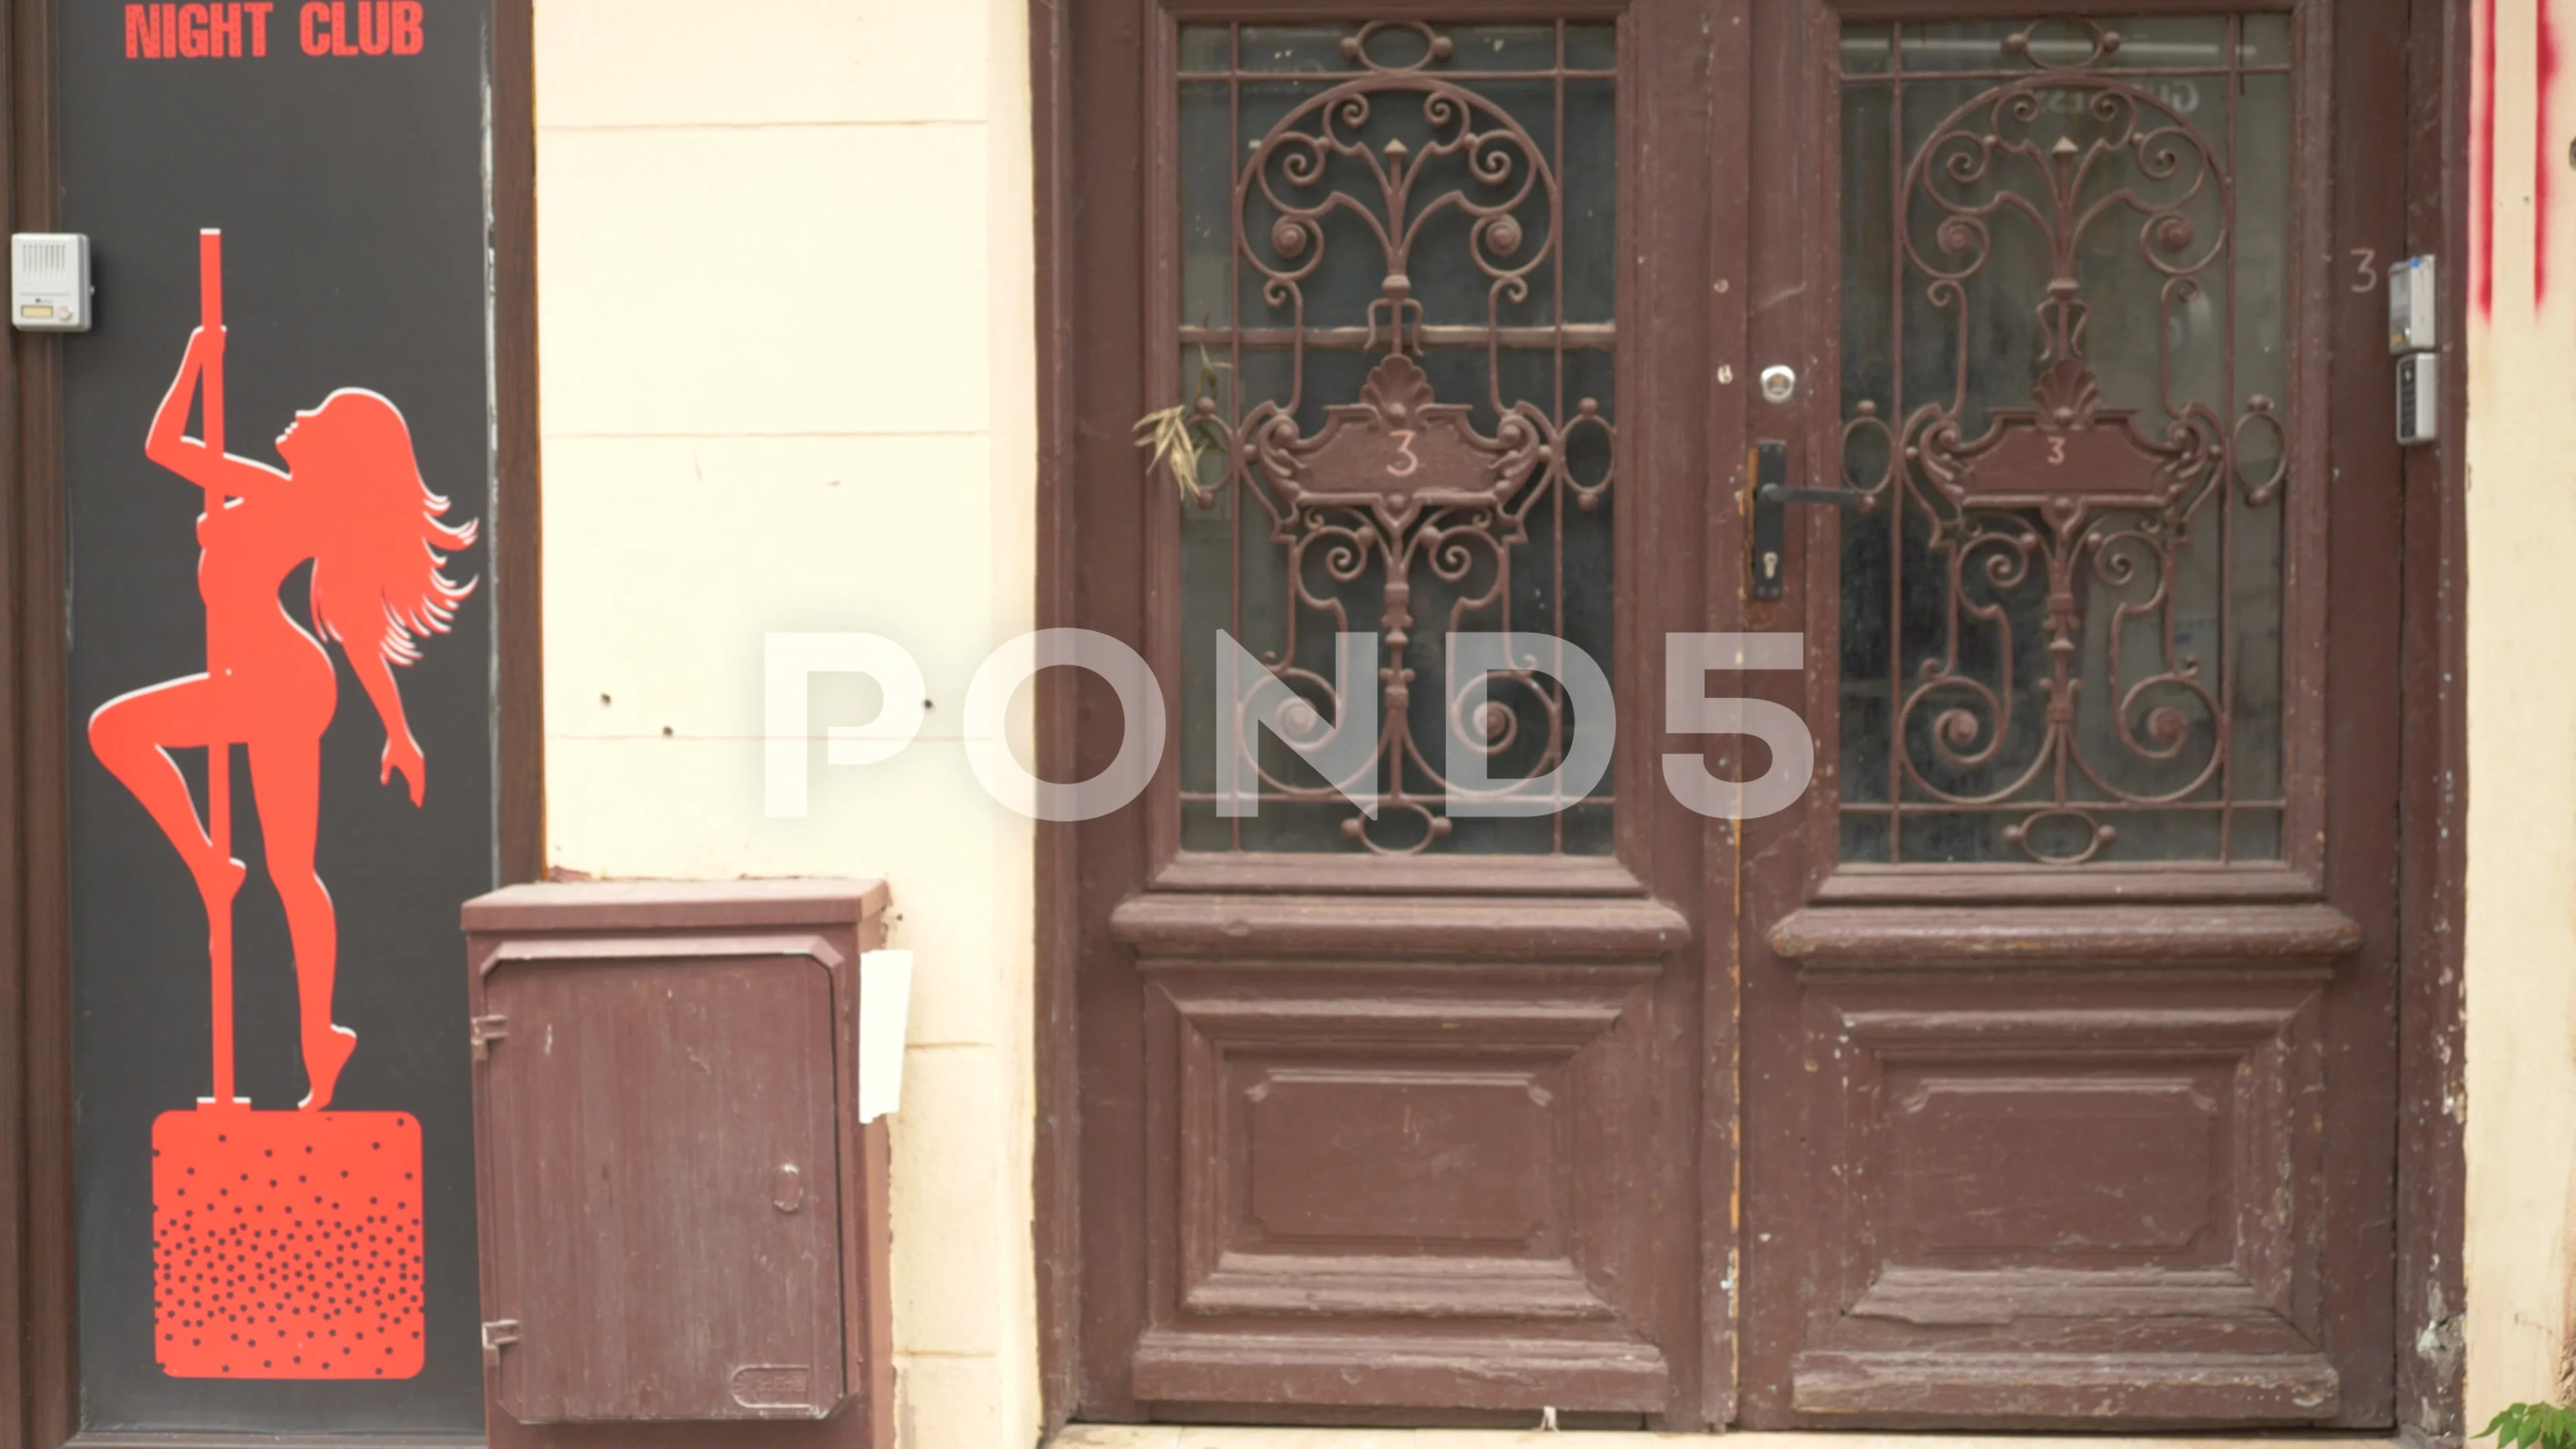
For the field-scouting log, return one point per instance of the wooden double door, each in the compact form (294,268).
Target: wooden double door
(1451,1041)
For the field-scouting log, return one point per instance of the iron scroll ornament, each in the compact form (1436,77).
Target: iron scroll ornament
(1427,501)
(2075,493)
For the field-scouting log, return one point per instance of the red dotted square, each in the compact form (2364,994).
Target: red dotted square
(286,1245)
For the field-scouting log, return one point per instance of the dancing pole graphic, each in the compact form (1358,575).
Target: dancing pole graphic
(219,753)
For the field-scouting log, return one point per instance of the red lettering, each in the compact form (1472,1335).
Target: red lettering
(223,30)
(143,33)
(375,21)
(192,31)
(340,27)
(407,27)
(258,11)
(316,13)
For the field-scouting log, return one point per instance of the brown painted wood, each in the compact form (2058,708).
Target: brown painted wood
(1373,927)
(1734,97)
(1102,204)
(715,1123)
(2431,1172)
(29,110)
(39,943)
(618,1010)
(1983,936)
(1377,987)
(1056,1162)
(518,542)
(1552,876)
(2365,687)
(2032,1147)
(671,905)
(1280,1272)
(2289,971)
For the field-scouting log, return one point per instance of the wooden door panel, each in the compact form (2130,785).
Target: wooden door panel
(2095,1196)
(1402,1181)
(1385,1169)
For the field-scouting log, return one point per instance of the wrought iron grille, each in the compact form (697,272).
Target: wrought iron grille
(2064,389)
(1397,260)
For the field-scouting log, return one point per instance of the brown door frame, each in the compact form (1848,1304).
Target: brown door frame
(39,1369)
(2433,771)
(2432,742)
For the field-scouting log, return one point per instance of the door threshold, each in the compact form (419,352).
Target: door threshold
(1182,1436)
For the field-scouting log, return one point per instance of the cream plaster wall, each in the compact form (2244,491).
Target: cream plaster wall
(788,369)
(2521,946)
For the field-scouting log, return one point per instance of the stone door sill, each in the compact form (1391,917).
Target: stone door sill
(1172,1436)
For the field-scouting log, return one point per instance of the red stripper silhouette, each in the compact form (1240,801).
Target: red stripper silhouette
(285,1244)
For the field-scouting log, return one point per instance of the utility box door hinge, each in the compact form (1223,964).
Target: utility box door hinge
(495,1335)
(485,1030)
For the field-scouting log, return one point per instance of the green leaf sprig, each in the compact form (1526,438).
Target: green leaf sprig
(2533,1426)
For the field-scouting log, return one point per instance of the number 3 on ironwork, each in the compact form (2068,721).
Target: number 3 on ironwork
(1404,445)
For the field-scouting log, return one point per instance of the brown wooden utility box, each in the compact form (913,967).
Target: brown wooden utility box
(683,1219)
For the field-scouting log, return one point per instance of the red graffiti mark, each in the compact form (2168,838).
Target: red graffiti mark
(352,503)
(2541,167)
(2482,166)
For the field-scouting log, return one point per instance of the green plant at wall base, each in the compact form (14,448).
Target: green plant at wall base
(1181,435)
(2533,1426)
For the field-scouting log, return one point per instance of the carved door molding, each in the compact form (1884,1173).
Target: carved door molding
(1943,1105)
(2069,992)
(1395,1110)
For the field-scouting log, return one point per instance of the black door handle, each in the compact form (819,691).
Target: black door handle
(1772,496)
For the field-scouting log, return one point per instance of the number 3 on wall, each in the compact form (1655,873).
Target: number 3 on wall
(1404,446)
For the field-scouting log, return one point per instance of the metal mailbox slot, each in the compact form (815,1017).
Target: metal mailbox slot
(683,1218)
